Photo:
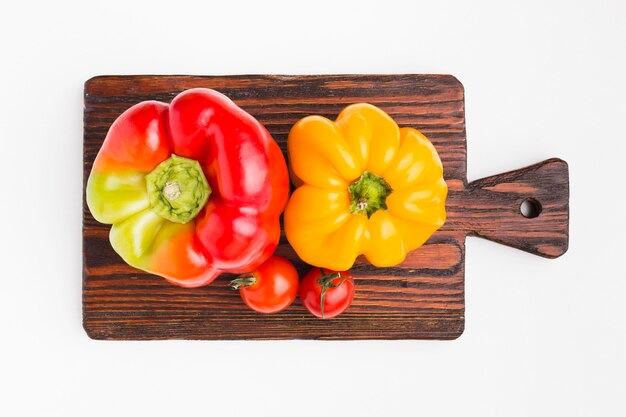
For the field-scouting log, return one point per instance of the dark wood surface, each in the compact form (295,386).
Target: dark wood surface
(421,298)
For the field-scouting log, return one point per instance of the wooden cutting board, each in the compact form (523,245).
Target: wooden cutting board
(422,298)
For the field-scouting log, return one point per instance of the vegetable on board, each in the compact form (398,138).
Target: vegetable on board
(192,188)
(327,293)
(270,288)
(364,186)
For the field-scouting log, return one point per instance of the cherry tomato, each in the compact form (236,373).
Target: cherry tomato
(326,293)
(271,287)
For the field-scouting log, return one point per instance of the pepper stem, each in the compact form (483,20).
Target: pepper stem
(326,281)
(242,281)
(368,194)
(171,191)
(177,189)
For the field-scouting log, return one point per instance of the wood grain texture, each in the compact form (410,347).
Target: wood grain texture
(493,209)
(421,298)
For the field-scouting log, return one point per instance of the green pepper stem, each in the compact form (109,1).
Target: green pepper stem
(177,189)
(368,194)
(171,191)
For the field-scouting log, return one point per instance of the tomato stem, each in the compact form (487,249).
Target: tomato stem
(326,281)
(243,281)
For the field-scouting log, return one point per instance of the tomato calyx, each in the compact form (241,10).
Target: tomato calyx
(243,281)
(325,281)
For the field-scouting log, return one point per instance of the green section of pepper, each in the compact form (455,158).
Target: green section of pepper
(115,196)
(137,238)
(134,237)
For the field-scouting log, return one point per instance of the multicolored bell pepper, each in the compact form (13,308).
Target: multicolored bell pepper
(365,186)
(193,189)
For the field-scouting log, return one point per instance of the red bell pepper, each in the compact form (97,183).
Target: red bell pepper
(193,189)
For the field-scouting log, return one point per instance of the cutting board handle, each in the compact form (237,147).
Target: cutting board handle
(526,209)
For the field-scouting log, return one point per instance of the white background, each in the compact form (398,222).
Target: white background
(542,338)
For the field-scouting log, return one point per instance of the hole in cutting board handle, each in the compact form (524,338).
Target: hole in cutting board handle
(530,208)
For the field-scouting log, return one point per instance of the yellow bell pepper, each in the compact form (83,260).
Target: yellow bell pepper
(364,186)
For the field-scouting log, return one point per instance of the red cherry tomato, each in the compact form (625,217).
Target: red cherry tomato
(326,293)
(271,287)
